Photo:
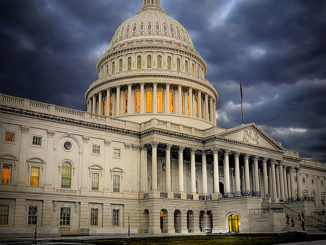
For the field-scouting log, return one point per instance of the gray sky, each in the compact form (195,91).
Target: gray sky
(277,48)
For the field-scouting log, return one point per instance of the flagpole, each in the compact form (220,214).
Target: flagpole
(241,95)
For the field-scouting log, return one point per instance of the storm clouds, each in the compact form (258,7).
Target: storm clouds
(277,48)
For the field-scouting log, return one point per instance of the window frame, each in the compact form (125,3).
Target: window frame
(32,218)
(4,216)
(94,218)
(116,217)
(13,136)
(65,219)
(96,149)
(116,185)
(35,139)
(38,177)
(10,172)
(116,150)
(61,176)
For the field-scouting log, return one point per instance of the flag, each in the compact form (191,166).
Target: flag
(241,91)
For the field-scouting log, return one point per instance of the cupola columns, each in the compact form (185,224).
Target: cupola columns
(151,2)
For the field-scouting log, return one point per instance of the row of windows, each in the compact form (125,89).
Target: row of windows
(65,216)
(10,137)
(149,62)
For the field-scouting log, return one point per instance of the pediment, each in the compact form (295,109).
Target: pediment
(253,135)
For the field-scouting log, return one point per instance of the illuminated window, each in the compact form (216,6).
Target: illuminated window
(126,102)
(120,65)
(137,101)
(94,217)
(196,106)
(4,214)
(159,61)
(178,64)
(183,102)
(149,61)
(104,106)
(113,67)
(234,223)
(111,105)
(116,183)
(9,137)
(129,64)
(66,175)
(37,140)
(96,149)
(117,153)
(169,62)
(64,216)
(187,66)
(139,62)
(188,105)
(160,101)
(32,215)
(171,102)
(95,181)
(149,101)
(193,69)
(35,176)
(6,174)
(115,217)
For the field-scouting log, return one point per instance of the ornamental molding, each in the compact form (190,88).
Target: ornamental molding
(107,143)
(50,133)
(24,129)
(86,139)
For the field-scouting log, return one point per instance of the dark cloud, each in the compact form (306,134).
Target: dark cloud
(277,48)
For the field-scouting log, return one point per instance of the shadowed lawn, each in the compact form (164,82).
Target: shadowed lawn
(216,239)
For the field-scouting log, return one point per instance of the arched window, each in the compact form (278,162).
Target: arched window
(113,67)
(137,101)
(149,61)
(149,101)
(160,101)
(193,69)
(66,175)
(169,62)
(138,62)
(120,65)
(187,66)
(178,64)
(159,61)
(129,64)
(234,223)
(171,102)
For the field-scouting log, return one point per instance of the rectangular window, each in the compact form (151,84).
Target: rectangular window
(129,64)
(6,174)
(9,137)
(117,153)
(116,183)
(95,181)
(32,215)
(94,217)
(4,214)
(96,149)
(35,176)
(65,216)
(115,217)
(37,140)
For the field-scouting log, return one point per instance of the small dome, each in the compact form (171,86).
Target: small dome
(151,22)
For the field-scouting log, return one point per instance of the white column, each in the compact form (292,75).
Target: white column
(193,171)
(237,174)
(181,187)
(214,120)
(247,175)
(282,182)
(285,184)
(155,97)
(211,109)
(274,182)
(154,166)
(143,169)
(216,173)
(204,173)
(206,107)
(191,104)
(179,100)
(278,186)
(265,177)
(289,185)
(256,174)
(94,104)
(100,104)
(199,105)
(118,101)
(226,173)
(167,98)
(299,181)
(142,98)
(129,99)
(107,106)
(168,168)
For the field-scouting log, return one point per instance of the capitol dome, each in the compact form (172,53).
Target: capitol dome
(152,71)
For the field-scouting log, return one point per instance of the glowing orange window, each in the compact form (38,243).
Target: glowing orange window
(111,103)
(160,101)
(126,102)
(6,174)
(9,137)
(188,105)
(148,101)
(171,102)
(137,101)
(35,176)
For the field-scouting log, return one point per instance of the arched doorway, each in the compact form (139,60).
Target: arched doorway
(190,221)
(234,223)
(201,220)
(146,220)
(177,221)
(209,227)
(164,221)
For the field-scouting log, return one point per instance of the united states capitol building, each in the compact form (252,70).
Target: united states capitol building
(147,155)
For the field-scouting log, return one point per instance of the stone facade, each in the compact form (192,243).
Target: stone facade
(147,153)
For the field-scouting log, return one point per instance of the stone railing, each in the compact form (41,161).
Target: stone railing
(265,210)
